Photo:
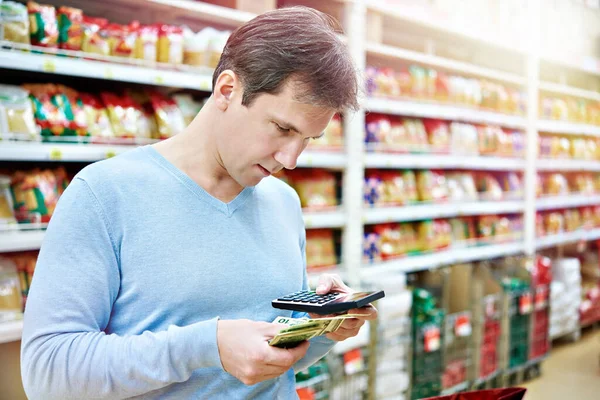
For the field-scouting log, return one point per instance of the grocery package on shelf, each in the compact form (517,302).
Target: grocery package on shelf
(35,194)
(7,209)
(427,330)
(47,28)
(570,109)
(60,113)
(317,188)
(561,184)
(394,336)
(541,279)
(565,296)
(570,220)
(406,187)
(314,382)
(422,83)
(386,133)
(11,303)
(393,240)
(320,249)
(24,263)
(333,137)
(568,147)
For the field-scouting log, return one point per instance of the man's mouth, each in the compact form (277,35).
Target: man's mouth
(264,170)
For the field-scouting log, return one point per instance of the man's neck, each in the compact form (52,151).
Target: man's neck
(194,151)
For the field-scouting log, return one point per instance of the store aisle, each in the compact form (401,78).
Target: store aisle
(571,372)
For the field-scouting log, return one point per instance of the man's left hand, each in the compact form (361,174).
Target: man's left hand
(351,326)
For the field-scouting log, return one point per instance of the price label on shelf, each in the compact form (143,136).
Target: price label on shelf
(308,222)
(525,303)
(205,85)
(110,153)
(159,79)
(431,339)
(48,65)
(108,73)
(56,154)
(309,161)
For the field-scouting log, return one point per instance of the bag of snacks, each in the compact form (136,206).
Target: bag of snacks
(373,189)
(320,248)
(96,116)
(512,185)
(390,238)
(554,222)
(410,183)
(35,195)
(438,133)
(121,39)
(11,305)
(49,109)
(7,215)
(316,188)
(70,30)
(17,111)
(14,22)
(188,106)
(393,188)
(572,219)
(168,116)
(432,186)
(464,138)
(334,135)
(96,39)
(146,42)
(488,187)
(371,247)
(170,44)
(43,27)
(486,227)
(557,185)
(426,232)
(416,135)
(195,46)
(123,116)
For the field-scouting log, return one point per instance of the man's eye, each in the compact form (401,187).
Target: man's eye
(281,129)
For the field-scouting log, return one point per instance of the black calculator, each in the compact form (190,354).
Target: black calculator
(329,303)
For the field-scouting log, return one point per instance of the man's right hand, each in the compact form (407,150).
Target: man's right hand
(246,354)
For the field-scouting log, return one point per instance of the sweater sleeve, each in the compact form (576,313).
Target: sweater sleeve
(320,345)
(66,353)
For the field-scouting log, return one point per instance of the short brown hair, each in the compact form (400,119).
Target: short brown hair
(295,42)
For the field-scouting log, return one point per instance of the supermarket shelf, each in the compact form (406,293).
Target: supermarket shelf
(567,237)
(17,60)
(209,12)
(447,257)
(324,219)
(567,165)
(568,201)
(452,161)
(11,331)
(35,151)
(441,210)
(432,110)
(314,275)
(569,91)
(569,128)
(21,240)
(322,159)
(381,50)
(312,381)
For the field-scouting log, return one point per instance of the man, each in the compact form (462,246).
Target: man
(157,271)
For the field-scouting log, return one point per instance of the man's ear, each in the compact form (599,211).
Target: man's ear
(226,88)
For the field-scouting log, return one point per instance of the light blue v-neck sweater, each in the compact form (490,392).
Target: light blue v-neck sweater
(137,265)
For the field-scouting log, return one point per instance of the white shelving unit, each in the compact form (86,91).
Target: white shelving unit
(569,201)
(451,161)
(10,331)
(567,165)
(20,240)
(567,237)
(568,128)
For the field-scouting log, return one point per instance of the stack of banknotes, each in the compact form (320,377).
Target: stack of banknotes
(301,329)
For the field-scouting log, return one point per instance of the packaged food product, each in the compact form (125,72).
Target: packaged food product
(410,184)
(438,133)
(488,187)
(578,148)
(464,138)
(11,306)
(486,226)
(320,248)
(123,116)
(215,47)
(432,186)
(540,230)
(591,149)
(463,231)
(43,27)
(146,43)
(502,229)
(572,219)
(410,238)
(443,234)
(426,232)
(418,81)
(583,184)
(70,30)
(488,139)
(96,38)
(170,44)
(14,22)
(139,102)
(518,143)
(461,186)
(7,216)
(393,188)
(316,188)
(333,137)
(512,185)
(121,38)
(96,116)
(49,109)
(554,223)
(587,217)
(539,187)
(195,46)
(371,247)
(188,106)
(373,190)
(390,238)
(35,195)
(416,135)
(169,118)
(17,110)
(556,184)
(383,82)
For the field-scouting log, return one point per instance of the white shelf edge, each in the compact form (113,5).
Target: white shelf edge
(568,201)
(212,12)
(449,112)
(21,240)
(17,60)
(569,91)
(567,237)
(11,331)
(435,61)
(324,219)
(567,165)
(35,151)
(568,128)
(377,215)
(451,161)
(322,159)
(446,257)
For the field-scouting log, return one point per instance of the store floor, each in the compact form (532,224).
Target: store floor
(571,372)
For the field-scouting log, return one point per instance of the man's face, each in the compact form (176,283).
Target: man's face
(268,135)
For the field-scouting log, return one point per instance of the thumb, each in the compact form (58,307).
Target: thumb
(325,284)
(273,329)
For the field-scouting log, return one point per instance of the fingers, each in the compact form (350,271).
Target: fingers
(342,334)
(279,357)
(366,313)
(331,282)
